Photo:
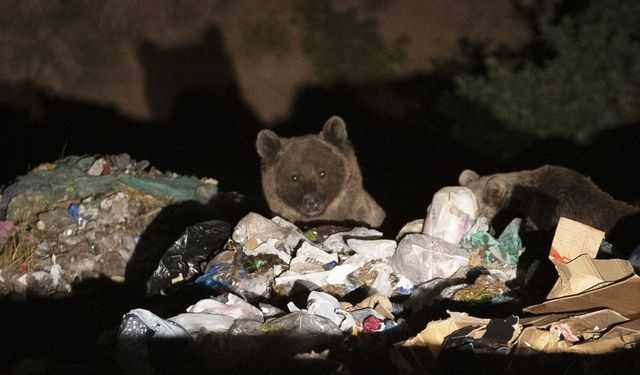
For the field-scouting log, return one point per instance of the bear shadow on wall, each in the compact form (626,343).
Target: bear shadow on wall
(210,129)
(171,71)
(169,225)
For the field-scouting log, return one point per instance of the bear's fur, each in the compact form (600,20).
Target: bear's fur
(545,194)
(315,178)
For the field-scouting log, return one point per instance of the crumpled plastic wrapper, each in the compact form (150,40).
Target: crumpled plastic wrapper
(489,251)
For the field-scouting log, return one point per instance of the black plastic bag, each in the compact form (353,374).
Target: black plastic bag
(182,260)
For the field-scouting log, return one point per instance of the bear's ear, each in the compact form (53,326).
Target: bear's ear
(467,176)
(496,190)
(268,144)
(334,131)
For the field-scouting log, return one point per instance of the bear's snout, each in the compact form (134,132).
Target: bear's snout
(312,204)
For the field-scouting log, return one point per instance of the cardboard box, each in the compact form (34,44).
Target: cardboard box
(573,239)
(622,296)
(584,283)
(585,273)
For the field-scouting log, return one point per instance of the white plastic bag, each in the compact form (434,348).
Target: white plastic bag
(451,214)
(420,258)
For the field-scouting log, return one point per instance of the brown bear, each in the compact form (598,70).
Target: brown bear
(315,178)
(545,194)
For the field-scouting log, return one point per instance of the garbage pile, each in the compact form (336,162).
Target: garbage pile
(271,258)
(274,284)
(278,291)
(81,217)
(583,314)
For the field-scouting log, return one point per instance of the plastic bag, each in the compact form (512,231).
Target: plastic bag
(229,305)
(147,343)
(503,251)
(373,249)
(337,242)
(310,258)
(420,258)
(217,277)
(255,229)
(301,323)
(451,214)
(323,304)
(182,260)
(195,322)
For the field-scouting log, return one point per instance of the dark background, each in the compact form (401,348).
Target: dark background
(412,132)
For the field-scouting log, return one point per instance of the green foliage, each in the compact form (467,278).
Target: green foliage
(592,83)
(343,46)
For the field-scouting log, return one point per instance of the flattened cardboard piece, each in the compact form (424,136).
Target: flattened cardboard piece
(436,331)
(623,336)
(623,297)
(377,302)
(572,239)
(590,325)
(600,318)
(544,334)
(540,340)
(540,321)
(585,273)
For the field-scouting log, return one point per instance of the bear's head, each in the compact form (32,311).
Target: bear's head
(304,175)
(493,192)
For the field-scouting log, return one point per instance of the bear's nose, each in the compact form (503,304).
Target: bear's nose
(311,203)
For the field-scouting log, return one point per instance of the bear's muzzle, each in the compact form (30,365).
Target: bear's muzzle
(312,204)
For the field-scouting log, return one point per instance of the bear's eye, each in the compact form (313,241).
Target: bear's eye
(322,174)
(294,178)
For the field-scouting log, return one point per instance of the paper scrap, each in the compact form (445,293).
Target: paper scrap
(572,239)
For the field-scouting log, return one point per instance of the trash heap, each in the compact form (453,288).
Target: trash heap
(278,291)
(271,258)
(274,284)
(583,314)
(81,217)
